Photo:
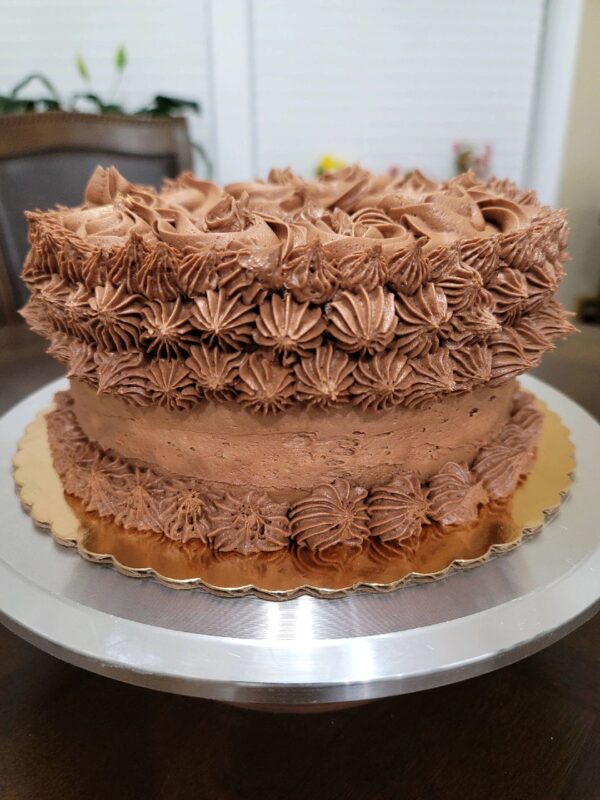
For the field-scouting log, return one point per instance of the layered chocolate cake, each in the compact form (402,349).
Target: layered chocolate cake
(295,365)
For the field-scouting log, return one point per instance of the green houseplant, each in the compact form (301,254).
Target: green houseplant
(49,99)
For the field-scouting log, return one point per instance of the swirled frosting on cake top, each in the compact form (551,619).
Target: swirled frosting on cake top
(274,228)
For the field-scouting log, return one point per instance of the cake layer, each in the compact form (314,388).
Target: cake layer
(338,512)
(291,453)
(349,288)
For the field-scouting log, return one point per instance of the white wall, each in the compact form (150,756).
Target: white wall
(394,82)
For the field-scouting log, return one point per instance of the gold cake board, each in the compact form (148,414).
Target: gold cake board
(285,575)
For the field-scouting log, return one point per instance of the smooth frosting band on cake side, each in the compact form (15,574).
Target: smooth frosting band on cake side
(250,520)
(288,454)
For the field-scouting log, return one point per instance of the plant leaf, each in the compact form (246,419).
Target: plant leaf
(101,106)
(121,58)
(36,76)
(163,106)
(82,67)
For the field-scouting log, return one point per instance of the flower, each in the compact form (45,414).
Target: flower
(330,163)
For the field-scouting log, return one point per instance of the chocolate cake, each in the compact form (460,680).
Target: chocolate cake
(295,364)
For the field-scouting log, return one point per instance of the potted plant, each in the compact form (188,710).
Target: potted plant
(50,100)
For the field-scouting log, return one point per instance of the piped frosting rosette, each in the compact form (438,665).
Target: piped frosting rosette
(352,288)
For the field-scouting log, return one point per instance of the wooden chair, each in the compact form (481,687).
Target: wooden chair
(47,159)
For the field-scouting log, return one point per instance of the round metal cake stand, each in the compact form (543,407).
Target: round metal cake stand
(306,651)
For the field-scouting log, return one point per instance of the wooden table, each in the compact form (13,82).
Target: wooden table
(527,732)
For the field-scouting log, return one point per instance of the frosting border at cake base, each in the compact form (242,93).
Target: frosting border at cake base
(505,526)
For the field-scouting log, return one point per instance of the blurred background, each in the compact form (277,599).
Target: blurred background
(510,88)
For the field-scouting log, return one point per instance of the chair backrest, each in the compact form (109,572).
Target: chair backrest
(47,159)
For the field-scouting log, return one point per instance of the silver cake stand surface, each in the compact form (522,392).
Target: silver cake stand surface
(306,651)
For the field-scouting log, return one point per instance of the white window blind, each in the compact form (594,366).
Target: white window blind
(393,82)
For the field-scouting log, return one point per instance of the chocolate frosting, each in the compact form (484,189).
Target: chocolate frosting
(137,500)
(165,328)
(184,511)
(362,321)
(509,290)
(420,320)
(170,385)
(324,378)
(455,496)
(248,524)
(214,371)
(248,520)
(344,230)
(333,514)
(383,381)
(222,319)
(398,510)
(320,288)
(116,317)
(471,366)
(263,386)
(122,375)
(289,326)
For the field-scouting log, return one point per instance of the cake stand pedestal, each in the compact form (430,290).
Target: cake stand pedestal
(308,651)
